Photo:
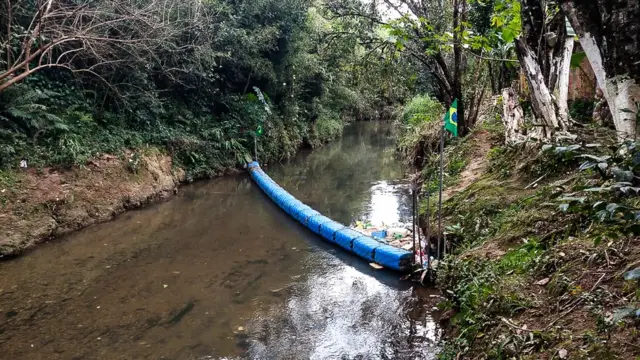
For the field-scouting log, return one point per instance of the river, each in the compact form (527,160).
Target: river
(219,272)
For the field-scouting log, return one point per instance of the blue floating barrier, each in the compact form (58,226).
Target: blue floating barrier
(389,256)
(314,223)
(345,238)
(304,215)
(364,246)
(329,229)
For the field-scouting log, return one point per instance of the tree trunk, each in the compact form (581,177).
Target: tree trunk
(541,101)
(512,117)
(563,69)
(494,79)
(544,51)
(533,27)
(609,32)
(458,11)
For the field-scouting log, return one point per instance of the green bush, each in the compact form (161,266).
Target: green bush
(327,127)
(422,108)
(420,133)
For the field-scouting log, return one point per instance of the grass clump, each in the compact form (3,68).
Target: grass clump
(420,130)
(421,108)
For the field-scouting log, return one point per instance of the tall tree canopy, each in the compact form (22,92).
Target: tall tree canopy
(89,76)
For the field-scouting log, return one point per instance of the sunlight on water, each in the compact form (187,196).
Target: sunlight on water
(384,207)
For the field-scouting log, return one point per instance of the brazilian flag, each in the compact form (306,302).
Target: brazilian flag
(451,119)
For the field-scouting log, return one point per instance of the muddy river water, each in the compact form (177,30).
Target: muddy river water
(219,272)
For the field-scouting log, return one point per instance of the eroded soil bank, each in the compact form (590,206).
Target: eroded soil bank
(40,204)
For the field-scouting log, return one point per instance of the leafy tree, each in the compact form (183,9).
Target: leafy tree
(85,77)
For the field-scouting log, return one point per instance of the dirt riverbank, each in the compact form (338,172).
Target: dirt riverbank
(41,204)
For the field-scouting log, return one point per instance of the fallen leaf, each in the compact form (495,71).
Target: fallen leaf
(543,282)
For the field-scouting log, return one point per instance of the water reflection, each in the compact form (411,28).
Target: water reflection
(344,313)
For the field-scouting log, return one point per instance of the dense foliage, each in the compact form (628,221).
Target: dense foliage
(196,79)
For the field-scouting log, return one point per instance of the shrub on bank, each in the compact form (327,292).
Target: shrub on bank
(422,108)
(327,127)
(420,131)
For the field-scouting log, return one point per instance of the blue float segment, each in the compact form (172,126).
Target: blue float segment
(304,215)
(389,256)
(349,239)
(287,202)
(314,223)
(329,229)
(345,238)
(365,246)
(297,213)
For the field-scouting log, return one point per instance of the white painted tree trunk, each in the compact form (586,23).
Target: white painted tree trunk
(620,92)
(541,100)
(561,90)
(512,117)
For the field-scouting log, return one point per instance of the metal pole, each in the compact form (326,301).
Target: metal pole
(255,147)
(415,215)
(429,222)
(413,219)
(440,190)
(444,243)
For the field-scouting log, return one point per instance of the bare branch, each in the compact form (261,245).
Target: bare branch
(88,35)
